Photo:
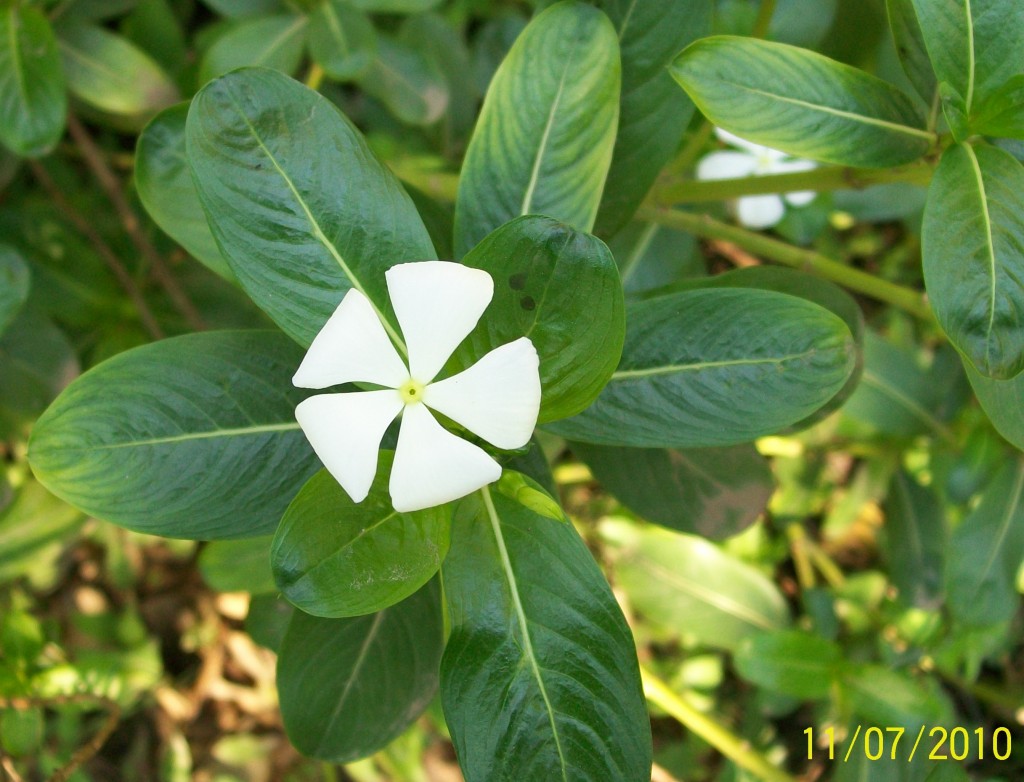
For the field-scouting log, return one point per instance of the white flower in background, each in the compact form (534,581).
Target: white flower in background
(756,211)
(437,304)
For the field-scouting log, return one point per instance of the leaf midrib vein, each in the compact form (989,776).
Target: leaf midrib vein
(989,247)
(318,233)
(234,432)
(524,628)
(630,374)
(861,118)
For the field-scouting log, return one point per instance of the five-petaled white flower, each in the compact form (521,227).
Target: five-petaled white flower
(437,304)
(756,211)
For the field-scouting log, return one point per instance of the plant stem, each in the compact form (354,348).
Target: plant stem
(111,185)
(817,179)
(714,733)
(764,19)
(315,77)
(84,227)
(706,227)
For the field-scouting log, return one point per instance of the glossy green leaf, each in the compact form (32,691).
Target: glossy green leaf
(805,286)
(36,362)
(164,182)
(790,662)
(109,73)
(985,552)
(801,102)
(334,557)
(33,102)
(974,45)
(688,587)
(651,256)
(652,113)
(973,255)
(241,565)
(560,288)
(348,687)
(910,46)
(539,679)
(299,205)
(900,397)
(268,618)
(276,42)
(14,284)
(717,367)
(544,140)
(916,538)
(1003,403)
(404,81)
(342,40)
(201,443)
(712,492)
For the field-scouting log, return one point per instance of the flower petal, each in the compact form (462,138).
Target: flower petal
(799,197)
(740,143)
(726,165)
(345,430)
(352,347)
(433,466)
(437,303)
(497,398)
(761,211)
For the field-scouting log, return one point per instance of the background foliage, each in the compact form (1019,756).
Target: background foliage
(805,488)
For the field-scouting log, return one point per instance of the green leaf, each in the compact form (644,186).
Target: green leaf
(652,113)
(544,139)
(801,103)
(651,256)
(164,182)
(910,46)
(560,288)
(805,286)
(954,111)
(790,662)
(36,362)
(234,9)
(887,697)
(1003,403)
(342,40)
(348,687)
(238,565)
(201,442)
(334,557)
(539,679)
(269,617)
(717,367)
(974,45)
(33,102)
(915,541)
(986,551)
(34,531)
(276,42)
(299,205)
(898,397)
(14,284)
(1002,113)
(713,492)
(402,79)
(109,73)
(973,254)
(689,587)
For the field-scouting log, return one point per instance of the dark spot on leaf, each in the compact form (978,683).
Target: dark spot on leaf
(517,282)
(527,303)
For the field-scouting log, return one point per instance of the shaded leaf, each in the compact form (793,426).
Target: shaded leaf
(404,81)
(341,40)
(276,42)
(348,687)
(14,284)
(790,662)
(238,565)
(915,542)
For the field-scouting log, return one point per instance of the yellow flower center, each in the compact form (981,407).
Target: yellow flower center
(411,391)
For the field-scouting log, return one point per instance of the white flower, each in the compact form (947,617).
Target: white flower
(437,304)
(758,211)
